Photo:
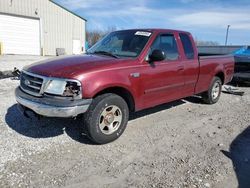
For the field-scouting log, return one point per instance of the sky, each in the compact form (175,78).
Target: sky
(207,20)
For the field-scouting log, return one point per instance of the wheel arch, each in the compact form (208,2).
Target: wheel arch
(221,75)
(122,92)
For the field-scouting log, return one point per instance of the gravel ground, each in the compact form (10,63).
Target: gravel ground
(8,62)
(181,144)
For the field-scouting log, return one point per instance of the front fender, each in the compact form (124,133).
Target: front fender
(98,82)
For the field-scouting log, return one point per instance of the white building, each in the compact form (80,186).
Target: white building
(39,27)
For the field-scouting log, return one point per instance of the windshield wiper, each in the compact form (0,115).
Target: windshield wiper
(105,53)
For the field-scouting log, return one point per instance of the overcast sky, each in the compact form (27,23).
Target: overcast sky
(206,20)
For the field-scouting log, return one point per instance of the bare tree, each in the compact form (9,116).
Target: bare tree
(93,37)
(96,35)
(205,43)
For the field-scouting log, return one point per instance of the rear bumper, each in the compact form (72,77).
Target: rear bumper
(52,106)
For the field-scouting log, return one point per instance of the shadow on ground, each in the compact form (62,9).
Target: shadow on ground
(156,109)
(45,127)
(239,153)
(51,127)
(193,99)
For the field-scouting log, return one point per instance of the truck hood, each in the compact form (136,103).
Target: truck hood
(73,66)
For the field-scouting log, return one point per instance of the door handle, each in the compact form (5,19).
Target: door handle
(135,74)
(180,68)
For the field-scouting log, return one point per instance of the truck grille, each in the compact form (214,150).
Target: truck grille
(31,83)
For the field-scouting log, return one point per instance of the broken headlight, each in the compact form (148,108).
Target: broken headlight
(72,89)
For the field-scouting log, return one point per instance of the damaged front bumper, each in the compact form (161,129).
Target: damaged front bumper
(51,106)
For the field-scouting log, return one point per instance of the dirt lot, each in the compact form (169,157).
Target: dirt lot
(8,62)
(181,144)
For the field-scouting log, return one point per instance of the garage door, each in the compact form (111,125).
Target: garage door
(19,35)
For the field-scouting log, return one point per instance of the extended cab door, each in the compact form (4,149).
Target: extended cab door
(190,62)
(162,81)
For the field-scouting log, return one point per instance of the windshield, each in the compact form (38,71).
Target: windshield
(128,43)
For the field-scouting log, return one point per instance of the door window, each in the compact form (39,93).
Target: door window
(166,43)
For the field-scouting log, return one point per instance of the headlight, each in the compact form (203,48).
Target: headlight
(67,88)
(56,87)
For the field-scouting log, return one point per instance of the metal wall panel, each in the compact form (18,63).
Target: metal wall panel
(58,26)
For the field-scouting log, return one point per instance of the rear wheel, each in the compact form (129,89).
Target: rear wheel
(213,94)
(106,118)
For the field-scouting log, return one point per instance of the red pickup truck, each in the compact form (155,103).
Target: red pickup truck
(126,71)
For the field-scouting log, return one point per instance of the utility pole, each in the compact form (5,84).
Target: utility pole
(227,34)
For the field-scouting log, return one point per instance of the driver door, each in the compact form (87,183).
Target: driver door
(163,81)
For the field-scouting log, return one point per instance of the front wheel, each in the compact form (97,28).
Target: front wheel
(213,94)
(106,118)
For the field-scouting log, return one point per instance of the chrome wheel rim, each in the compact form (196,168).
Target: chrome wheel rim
(110,119)
(215,90)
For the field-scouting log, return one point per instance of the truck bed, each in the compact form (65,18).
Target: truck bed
(210,65)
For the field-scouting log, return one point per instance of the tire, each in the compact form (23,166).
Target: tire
(106,118)
(213,94)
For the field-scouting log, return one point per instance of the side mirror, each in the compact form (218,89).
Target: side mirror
(157,55)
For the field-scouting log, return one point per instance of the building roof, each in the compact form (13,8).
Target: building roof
(67,10)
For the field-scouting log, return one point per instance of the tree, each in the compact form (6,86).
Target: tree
(95,35)
(205,43)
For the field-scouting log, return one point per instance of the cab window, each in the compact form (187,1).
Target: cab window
(187,45)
